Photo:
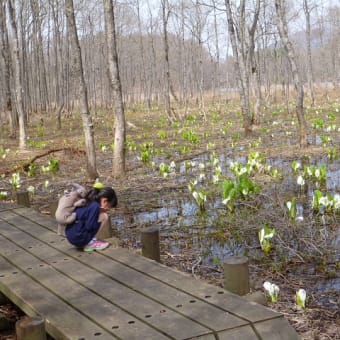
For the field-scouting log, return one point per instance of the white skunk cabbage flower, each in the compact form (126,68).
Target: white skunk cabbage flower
(272,289)
(301,296)
(300,180)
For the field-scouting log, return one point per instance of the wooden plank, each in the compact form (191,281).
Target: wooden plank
(62,321)
(7,206)
(174,299)
(241,333)
(278,329)
(84,298)
(46,221)
(225,300)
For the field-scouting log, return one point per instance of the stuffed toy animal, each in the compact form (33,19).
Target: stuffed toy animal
(65,213)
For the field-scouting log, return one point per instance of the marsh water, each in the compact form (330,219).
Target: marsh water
(184,229)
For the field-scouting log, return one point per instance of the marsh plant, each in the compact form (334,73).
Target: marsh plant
(15,181)
(301,297)
(326,203)
(199,195)
(166,169)
(237,189)
(32,170)
(3,195)
(31,189)
(217,174)
(318,123)
(103,147)
(184,149)
(162,135)
(40,131)
(291,205)
(131,145)
(188,165)
(210,146)
(39,144)
(146,152)
(272,290)
(4,152)
(52,166)
(190,136)
(330,128)
(239,169)
(317,174)
(266,235)
(255,164)
(325,140)
(332,154)
(295,166)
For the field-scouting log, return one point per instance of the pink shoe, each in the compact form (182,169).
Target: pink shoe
(96,245)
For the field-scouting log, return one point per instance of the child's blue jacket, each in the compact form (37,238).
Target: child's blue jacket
(85,227)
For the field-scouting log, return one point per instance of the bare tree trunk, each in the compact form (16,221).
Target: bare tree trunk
(307,11)
(258,92)
(143,76)
(41,69)
(172,116)
(17,78)
(283,31)
(5,52)
(243,50)
(217,82)
(25,70)
(58,100)
(79,74)
(198,34)
(118,166)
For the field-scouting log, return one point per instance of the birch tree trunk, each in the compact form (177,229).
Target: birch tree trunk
(17,77)
(118,162)
(280,6)
(79,74)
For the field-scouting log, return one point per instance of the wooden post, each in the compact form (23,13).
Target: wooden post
(236,275)
(106,231)
(150,243)
(23,198)
(30,328)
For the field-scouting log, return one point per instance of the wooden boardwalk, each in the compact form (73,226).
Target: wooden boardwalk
(116,294)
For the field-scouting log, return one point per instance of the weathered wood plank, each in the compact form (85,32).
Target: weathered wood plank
(62,321)
(8,206)
(241,333)
(276,330)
